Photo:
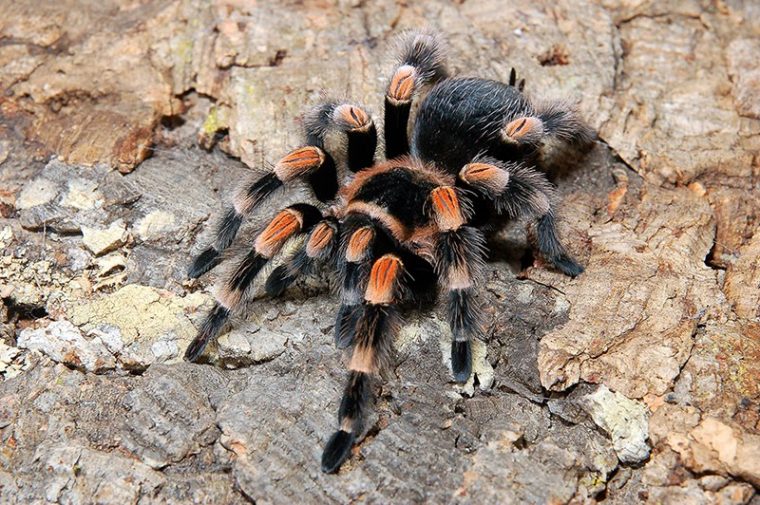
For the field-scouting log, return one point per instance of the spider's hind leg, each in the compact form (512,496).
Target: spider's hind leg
(548,120)
(420,63)
(517,190)
(545,239)
(520,85)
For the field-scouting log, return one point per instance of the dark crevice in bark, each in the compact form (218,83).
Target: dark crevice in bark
(23,311)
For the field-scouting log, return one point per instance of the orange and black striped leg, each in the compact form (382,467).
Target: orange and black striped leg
(351,120)
(421,63)
(361,133)
(318,248)
(354,267)
(299,163)
(460,253)
(295,219)
(376,327)
(517,190)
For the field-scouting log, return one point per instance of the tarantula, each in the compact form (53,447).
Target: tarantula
(400,229)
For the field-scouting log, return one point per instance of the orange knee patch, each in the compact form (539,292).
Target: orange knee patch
(448,212)
(319,239)
(363,359)
(524,129)
(359,243)
(383,280)
(299,162)
(228,297)
(401,86)
(282,227)
(485,175)
(353,117)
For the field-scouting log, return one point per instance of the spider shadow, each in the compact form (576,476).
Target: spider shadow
(560,161)
(510,245)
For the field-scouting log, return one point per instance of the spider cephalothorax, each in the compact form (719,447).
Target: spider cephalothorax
(396,230)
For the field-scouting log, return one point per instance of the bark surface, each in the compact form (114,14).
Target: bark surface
(123,126)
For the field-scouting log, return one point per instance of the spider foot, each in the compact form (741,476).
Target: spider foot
(461,360)
(205,261)
(337,450)
(567,265)
(214,322)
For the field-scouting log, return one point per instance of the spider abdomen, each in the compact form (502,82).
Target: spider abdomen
(463,118)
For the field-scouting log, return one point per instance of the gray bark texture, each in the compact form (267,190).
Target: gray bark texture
(125,124)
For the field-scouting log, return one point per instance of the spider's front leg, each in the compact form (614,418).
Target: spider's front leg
(517,190)
(319,248)
(298,218)
(460,253)
(354,270)
(377,322)
(311,162)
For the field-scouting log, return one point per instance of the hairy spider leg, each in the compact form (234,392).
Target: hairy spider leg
(517,190)
(297,218)
(319,247)
(551,119)
(460,253)
(377,324)
(351,120)
(296,164)
(421,63)
(312,162)
(364,241)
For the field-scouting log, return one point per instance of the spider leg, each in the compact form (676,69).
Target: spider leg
(298,163)
(420,63)
(516,190)
(460,253)
(312,162)
(552,119)
(297,218)
(318,247)
(362,241)
(351,120)
(376,325)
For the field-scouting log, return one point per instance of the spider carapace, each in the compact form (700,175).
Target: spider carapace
(397,230)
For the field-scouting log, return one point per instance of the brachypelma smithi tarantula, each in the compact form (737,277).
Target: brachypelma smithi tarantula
(395,230)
